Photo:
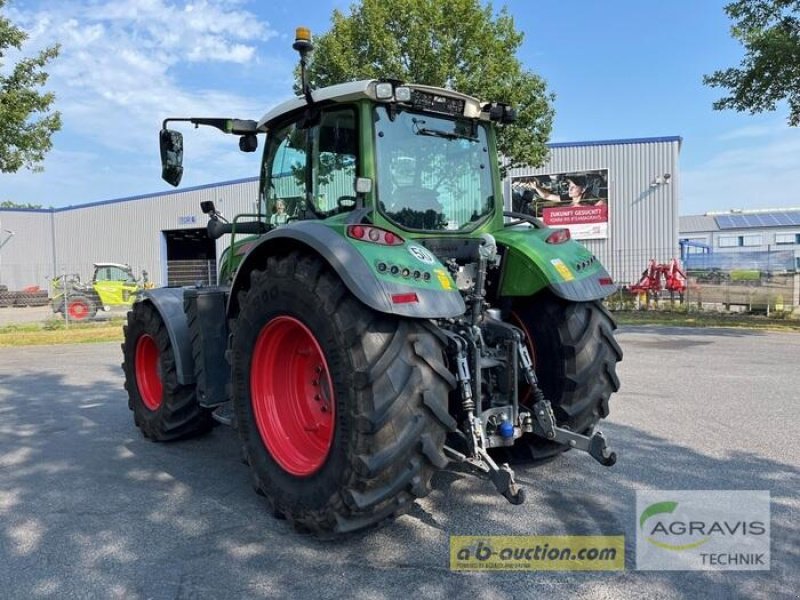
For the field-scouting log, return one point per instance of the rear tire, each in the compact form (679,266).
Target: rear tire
(575,357)
(162,408)
(301,338)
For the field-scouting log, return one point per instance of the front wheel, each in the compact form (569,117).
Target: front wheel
(162,408)
(81,308)
(342,411)
(575,357)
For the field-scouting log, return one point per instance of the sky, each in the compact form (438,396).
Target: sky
(619,69)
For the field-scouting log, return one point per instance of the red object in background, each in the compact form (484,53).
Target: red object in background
(659,277)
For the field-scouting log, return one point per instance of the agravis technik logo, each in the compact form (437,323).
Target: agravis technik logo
(706,530)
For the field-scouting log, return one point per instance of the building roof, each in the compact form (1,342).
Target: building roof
(740,219)
(645,140)
(697,224)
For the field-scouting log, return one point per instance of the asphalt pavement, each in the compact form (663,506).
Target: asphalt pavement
(89,509)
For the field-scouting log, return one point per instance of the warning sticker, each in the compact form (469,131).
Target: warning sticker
(562,269)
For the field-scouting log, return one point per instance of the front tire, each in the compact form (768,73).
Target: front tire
(575,357)
(81,308)
(162,408)
(342,411)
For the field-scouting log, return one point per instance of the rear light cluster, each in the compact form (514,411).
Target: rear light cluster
(402,271)
(376,235)
(559,236)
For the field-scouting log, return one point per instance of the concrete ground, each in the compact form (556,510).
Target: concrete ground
(89,509)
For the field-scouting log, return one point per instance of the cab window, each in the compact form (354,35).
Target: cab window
(321,159)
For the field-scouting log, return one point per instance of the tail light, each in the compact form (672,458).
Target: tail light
(376,235)
(405,298)
(559,236)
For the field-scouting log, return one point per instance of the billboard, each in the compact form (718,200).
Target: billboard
(576,200)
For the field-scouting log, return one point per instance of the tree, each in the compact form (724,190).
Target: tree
(457,44)
(770,70)
(26,125)
(10,204)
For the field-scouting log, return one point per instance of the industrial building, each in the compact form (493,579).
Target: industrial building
(759,239)
(626,213)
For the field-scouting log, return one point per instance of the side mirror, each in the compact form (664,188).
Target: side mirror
(171,144)
(248,143)
(207,206)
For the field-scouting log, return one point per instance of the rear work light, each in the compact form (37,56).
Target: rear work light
(559,236)
(376,235)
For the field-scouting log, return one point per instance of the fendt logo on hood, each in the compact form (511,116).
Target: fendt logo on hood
(682,534)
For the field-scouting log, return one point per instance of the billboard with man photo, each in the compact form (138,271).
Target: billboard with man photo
(577,200)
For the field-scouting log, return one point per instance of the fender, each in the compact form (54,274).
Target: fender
(568,269)
(169,304)
(355,263)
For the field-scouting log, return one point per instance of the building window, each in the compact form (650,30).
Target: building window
(728,241)
(787,238)
(751,240)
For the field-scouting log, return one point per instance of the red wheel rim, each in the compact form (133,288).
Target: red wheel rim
(292,396)
(78,310)
(148,378)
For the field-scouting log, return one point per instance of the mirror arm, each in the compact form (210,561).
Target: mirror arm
(225,125)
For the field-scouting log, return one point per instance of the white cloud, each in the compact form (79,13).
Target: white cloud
(123,68)
(760,169)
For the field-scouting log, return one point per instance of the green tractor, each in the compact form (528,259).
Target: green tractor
(383,317)
(112,284)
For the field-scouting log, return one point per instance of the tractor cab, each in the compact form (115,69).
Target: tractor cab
(115,284)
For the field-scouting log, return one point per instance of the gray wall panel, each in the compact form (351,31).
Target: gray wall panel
(27,258)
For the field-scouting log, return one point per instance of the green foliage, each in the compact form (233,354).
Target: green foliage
(10,204)
(769,30)
(459,45)
(26,125)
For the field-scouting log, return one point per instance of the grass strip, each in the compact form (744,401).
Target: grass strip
(54,332)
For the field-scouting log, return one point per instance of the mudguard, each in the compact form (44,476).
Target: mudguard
(568,269)
(169,304)
(432,295)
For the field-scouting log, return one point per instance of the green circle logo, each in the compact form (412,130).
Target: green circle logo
(665,508)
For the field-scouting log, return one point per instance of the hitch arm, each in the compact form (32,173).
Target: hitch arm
(594,445)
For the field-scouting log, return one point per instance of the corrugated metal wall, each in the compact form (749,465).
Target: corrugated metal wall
(129,231)
(26,259)
(123,231)
(643,219)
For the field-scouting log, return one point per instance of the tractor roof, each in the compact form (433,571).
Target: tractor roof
(100,265)
(358,90)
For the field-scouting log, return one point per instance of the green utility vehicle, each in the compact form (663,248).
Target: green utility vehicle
(112,284)
(384,315)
